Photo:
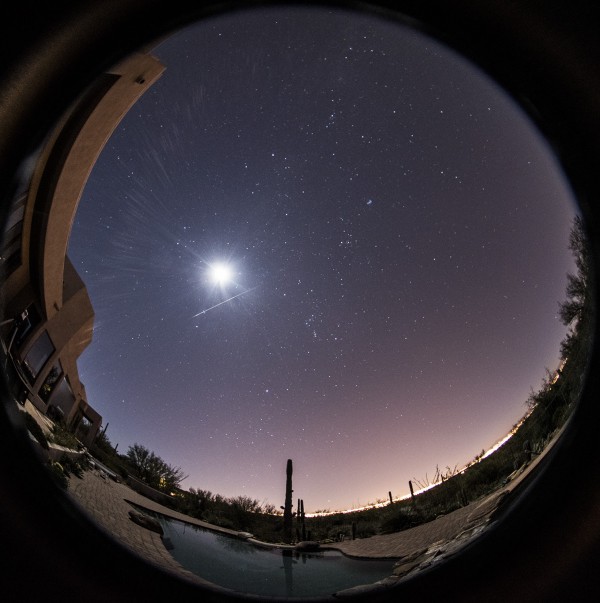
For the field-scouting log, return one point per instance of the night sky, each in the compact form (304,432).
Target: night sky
(397,238)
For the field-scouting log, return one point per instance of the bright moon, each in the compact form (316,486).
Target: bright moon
(220,274)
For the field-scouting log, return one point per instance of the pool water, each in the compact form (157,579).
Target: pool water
(241,566)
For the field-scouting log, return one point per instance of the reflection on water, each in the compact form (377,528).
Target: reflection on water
(288,567)
(238,565)
(232,544)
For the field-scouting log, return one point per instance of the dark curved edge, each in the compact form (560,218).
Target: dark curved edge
(547,54)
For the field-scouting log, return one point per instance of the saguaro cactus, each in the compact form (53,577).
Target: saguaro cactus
(287,509)
(301,520)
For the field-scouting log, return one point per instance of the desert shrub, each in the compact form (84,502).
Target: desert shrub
(366,529)
(219,520)
(267,528)
(398,521)
(63,437)
(72,466)
(36,431)
(116,463)
(58,475)
(560,416)
(337,532)
(242,511)
(121,470)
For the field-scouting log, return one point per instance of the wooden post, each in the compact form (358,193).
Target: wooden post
(390,495)
(412,495)
(353,530)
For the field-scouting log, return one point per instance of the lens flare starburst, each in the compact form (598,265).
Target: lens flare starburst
(220,273)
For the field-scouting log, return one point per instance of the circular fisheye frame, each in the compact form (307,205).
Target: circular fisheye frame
(543,541)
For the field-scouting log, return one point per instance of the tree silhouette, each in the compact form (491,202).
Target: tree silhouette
(577,307)
(577,311)
(152,470)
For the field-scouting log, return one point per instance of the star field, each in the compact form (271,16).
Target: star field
(397,236)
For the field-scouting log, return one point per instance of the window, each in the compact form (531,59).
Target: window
(63,398)
(84,427)
(52,379)
(38,355)
(29,320)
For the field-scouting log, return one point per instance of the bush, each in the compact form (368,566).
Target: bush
(219,520)
(58,475)
(337,533)
(73,466)
(397,522)
(366,529)
(121,471)
(36,431)
(63,437)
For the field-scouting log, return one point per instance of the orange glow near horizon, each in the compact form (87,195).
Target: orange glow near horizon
(380,505)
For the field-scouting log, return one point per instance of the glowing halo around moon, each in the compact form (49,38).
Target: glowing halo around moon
(220,273)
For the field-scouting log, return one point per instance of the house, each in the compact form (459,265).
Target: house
(47,318)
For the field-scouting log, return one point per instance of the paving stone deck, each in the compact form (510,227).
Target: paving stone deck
(108,504)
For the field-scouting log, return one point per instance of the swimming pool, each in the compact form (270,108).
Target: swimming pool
(241,566)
